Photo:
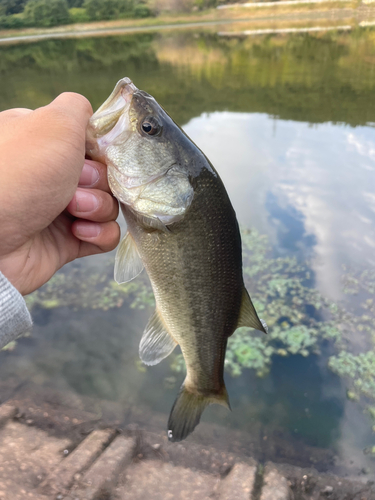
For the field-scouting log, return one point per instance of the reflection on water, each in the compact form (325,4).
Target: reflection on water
(287,122)
(315,185)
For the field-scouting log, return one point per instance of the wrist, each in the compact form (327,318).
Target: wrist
(14,269)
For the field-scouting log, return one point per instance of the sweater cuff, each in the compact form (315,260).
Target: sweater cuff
(15,318)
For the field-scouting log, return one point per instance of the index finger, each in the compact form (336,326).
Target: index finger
(11,114)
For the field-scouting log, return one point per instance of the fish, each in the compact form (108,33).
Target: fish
(182,228)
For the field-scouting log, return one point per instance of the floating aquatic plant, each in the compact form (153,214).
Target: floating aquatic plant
(248,351)
(299,317)
(359,369)
(79,289)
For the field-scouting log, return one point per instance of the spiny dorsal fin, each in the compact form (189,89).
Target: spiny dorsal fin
(248,314)
(156,343)
(128,263)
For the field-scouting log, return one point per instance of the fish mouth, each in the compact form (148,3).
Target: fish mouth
(111,119)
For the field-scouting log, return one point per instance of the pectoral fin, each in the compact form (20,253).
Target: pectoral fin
(156,343)
(248,314)
(152,223)
(128,263)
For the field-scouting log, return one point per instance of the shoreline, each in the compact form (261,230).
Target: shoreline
(138,29)
(334,11)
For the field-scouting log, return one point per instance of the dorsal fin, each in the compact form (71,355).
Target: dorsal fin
(248,314)
(128,263)
(156,343)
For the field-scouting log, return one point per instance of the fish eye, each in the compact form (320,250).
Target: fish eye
(147,127)
(151,125)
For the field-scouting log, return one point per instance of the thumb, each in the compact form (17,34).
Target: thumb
(42,158)
(62,132)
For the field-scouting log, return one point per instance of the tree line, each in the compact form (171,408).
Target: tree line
(45,13)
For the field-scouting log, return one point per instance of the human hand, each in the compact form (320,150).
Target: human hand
(46,220)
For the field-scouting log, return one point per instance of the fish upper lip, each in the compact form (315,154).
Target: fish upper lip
(124,88)
(127,89)
(116,103)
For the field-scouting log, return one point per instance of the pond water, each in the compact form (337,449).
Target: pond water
(288,121)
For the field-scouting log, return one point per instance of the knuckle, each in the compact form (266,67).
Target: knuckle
(115,209)
(113,235)
(77,101)
(112,209)
(106,209)
(15,113)
(69,111)
(115,204)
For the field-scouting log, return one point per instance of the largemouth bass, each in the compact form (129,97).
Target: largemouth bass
(182,228)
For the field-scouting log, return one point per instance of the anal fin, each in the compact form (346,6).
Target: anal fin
(156,343)
(248,314)
(128,263)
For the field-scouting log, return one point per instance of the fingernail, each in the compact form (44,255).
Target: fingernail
(85,202)
(87,230)
(89,175)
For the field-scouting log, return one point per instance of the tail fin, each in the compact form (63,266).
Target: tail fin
(187,410)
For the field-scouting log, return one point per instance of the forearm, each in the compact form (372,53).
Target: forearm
(15,318)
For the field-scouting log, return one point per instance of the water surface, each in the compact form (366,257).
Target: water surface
(288,123)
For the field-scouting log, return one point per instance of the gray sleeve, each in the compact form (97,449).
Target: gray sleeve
(15,318)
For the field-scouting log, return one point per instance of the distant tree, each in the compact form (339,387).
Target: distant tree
(141,10)
(106,9)
(92,8)
(47,12)
(8,7)
(75,3)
